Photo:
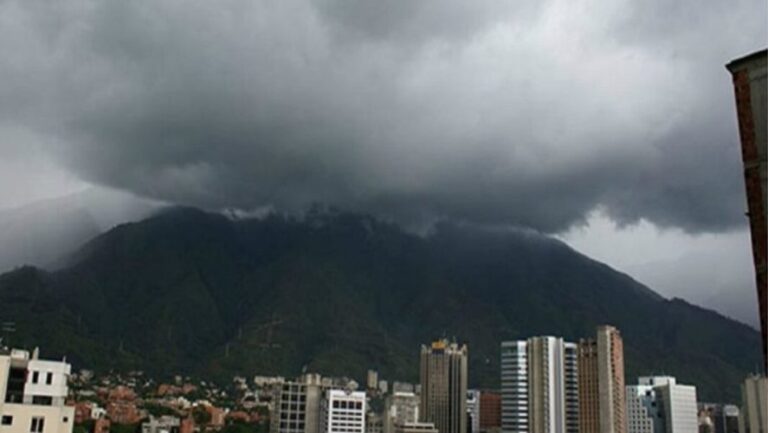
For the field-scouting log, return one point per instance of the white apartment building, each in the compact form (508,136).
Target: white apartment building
(33,394)
(658,404)
(344,411)
(539,386)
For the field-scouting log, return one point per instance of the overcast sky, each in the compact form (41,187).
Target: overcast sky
(605,122)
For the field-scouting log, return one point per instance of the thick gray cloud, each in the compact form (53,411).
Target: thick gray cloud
(528,112)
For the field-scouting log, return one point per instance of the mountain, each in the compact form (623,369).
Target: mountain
(189,291)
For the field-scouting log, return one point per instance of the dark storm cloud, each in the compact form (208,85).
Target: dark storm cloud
(525,112)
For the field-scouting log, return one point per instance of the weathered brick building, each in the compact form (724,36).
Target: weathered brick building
(749,84)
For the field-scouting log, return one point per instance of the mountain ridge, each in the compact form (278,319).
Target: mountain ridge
(341,293)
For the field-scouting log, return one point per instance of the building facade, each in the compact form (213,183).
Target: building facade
(33,394)
(601,383)
(444,386)
(539,386)
(749,84)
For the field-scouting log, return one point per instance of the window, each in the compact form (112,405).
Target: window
(66,419)
(42,400)
(48,378)
(35,376)
(6,420)
(37,424)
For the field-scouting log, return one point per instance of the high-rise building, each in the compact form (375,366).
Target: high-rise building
(658,404)
(296,405)
(444,386)
(343,411)
(33,393)
(539,386)
(601,383)
(490,412)
(749,84)
(754,409)
(473,411)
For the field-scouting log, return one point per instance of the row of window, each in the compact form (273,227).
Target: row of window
(37,423)
(337,404)
(48,377)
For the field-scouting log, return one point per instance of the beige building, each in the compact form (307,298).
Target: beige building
(444,386)
(753,417)
(33,394)
(601,383)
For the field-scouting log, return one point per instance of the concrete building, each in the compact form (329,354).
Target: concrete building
(400,408)
(658,404)
(34,393)
(416,427)
(754,409)
(163,424)
(473,411)
(749,85)
(539,386)
(444,386)
(296,405)
(343,411)
(601,383)
(490,412)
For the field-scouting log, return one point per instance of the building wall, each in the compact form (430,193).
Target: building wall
(749,82)
(46,379)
